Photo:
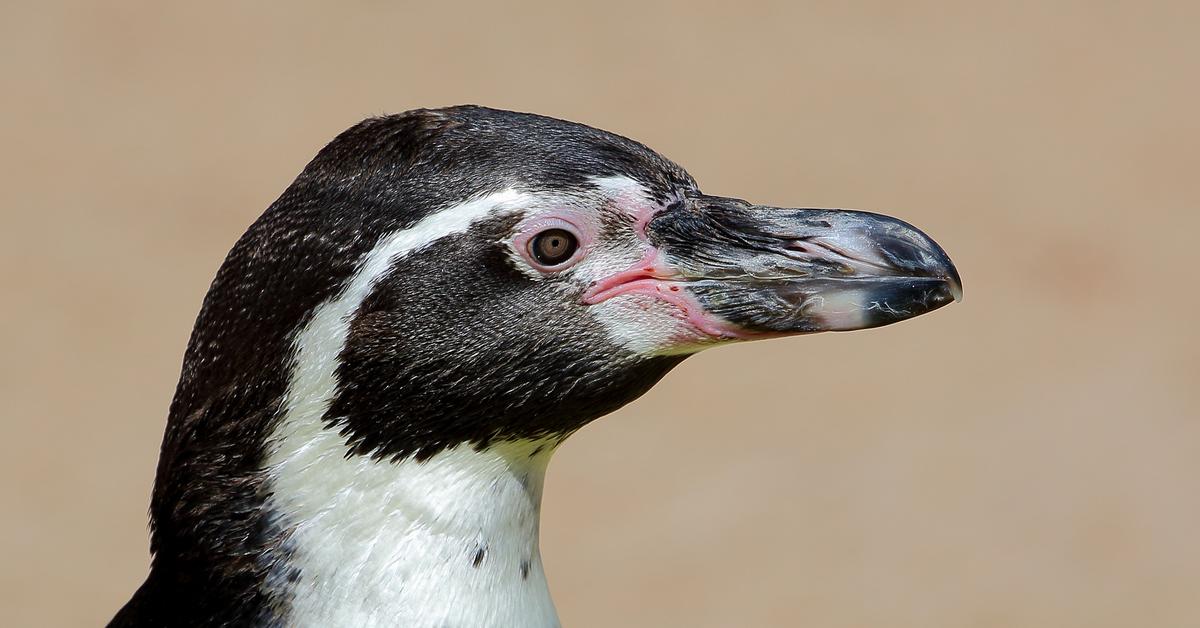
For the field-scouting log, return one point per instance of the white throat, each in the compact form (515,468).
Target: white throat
(450,541)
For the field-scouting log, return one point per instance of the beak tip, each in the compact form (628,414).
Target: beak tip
(955,284)
(945,269)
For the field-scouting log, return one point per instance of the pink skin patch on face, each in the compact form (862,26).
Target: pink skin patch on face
(651,277)
(651,280)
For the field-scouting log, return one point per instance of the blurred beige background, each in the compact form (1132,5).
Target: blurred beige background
(1029,457)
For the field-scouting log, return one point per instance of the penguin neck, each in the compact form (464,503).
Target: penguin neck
(448,540)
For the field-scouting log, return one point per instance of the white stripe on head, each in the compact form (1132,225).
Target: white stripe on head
(619,186)
(318,345)
(381,542)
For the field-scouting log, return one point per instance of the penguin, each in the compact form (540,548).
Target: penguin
(389,356)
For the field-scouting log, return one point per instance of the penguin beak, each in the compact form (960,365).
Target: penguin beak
(743,271)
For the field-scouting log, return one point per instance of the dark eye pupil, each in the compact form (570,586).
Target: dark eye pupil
(553,246)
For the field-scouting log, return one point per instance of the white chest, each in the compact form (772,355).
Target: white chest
(451,541)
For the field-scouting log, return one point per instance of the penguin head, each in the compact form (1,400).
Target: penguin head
(504,275)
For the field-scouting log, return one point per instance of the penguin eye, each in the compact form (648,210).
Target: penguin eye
(553,246)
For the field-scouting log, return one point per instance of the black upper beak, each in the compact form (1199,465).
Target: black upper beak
(778,270)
